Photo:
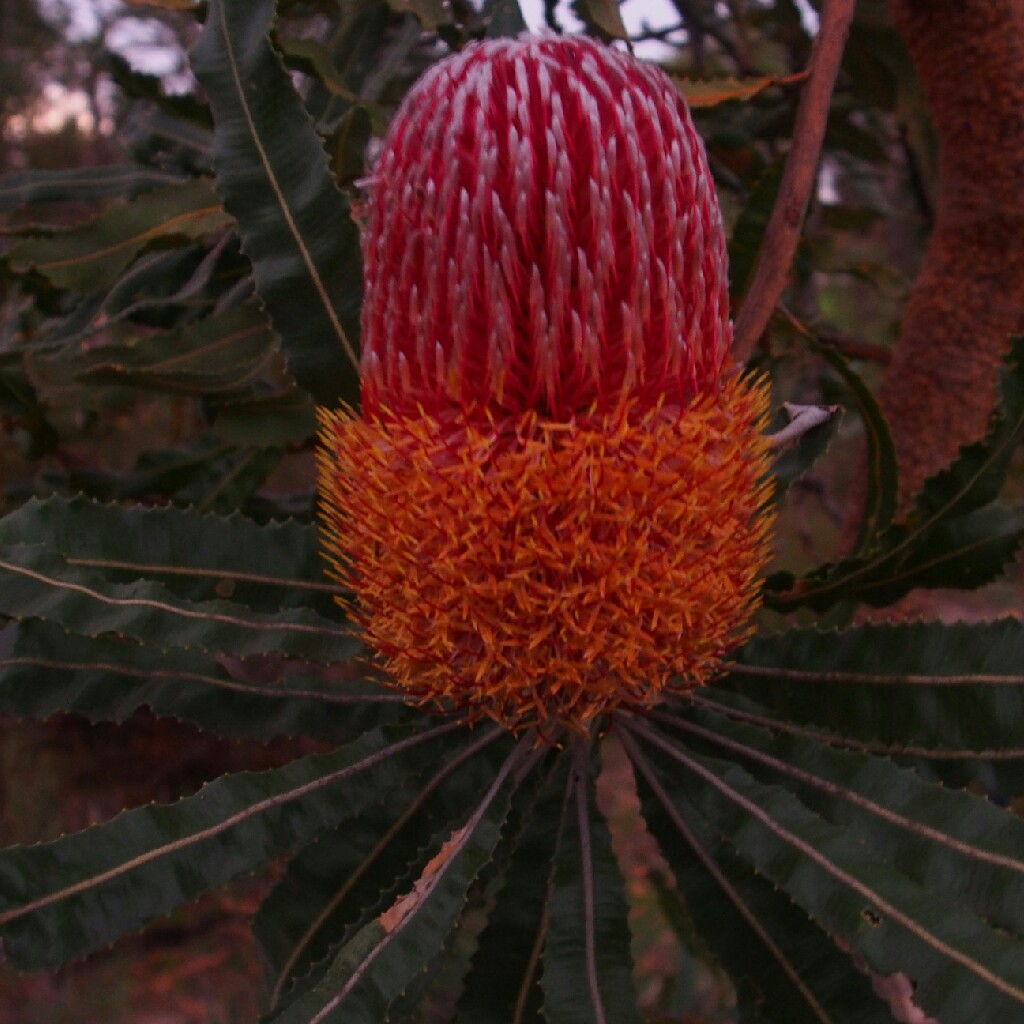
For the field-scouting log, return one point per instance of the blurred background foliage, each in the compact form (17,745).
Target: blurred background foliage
(137,364)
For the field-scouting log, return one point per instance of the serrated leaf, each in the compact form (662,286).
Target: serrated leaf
(946,540)
(953,694)
(882,493)
(372,969)
(197,556)
(80,184)
(165,282)
(273,174)
(311,905)
(35,582)
(784,966)
(587,962)
(90,256)
(349,142)
(45,670)
(943,540)
(219,354)
(710,92)
(953,842)
(435,993)
(976,476)
(185,473)
(166,135)
(432,994)
(186,107)
(502,986)
(62,899)
(353,874)
(314,56)
(962,967)
(965,552)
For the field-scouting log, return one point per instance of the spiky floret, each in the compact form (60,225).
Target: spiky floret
(543,576)
(554,501)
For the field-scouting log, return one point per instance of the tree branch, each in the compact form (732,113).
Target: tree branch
(783,231)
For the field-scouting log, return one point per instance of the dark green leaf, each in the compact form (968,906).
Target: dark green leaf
(184,106)
(44,670)
(62,899)
(949,841)
(372,969)
(882,492)
(502,986)
(35,582)
(221,353)
(273,173)
(949,694)
(432,995)
(199,557)
(354,873)
(435,993)
(947,530)
(80,184)
(965,552)
(963,968)
(976,476)
(784,966)
(587,962)
(92,255)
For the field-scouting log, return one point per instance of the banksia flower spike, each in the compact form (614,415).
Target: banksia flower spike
(554,500)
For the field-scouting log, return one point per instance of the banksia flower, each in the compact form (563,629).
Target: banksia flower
(553,502)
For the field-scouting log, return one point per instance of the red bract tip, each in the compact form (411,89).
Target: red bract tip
(542,235)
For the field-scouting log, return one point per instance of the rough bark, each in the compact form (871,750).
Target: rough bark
(969,295)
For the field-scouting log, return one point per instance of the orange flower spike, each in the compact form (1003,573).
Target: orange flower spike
(556,500)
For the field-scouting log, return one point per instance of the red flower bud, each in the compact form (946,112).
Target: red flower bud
(554,503)
(543,235)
